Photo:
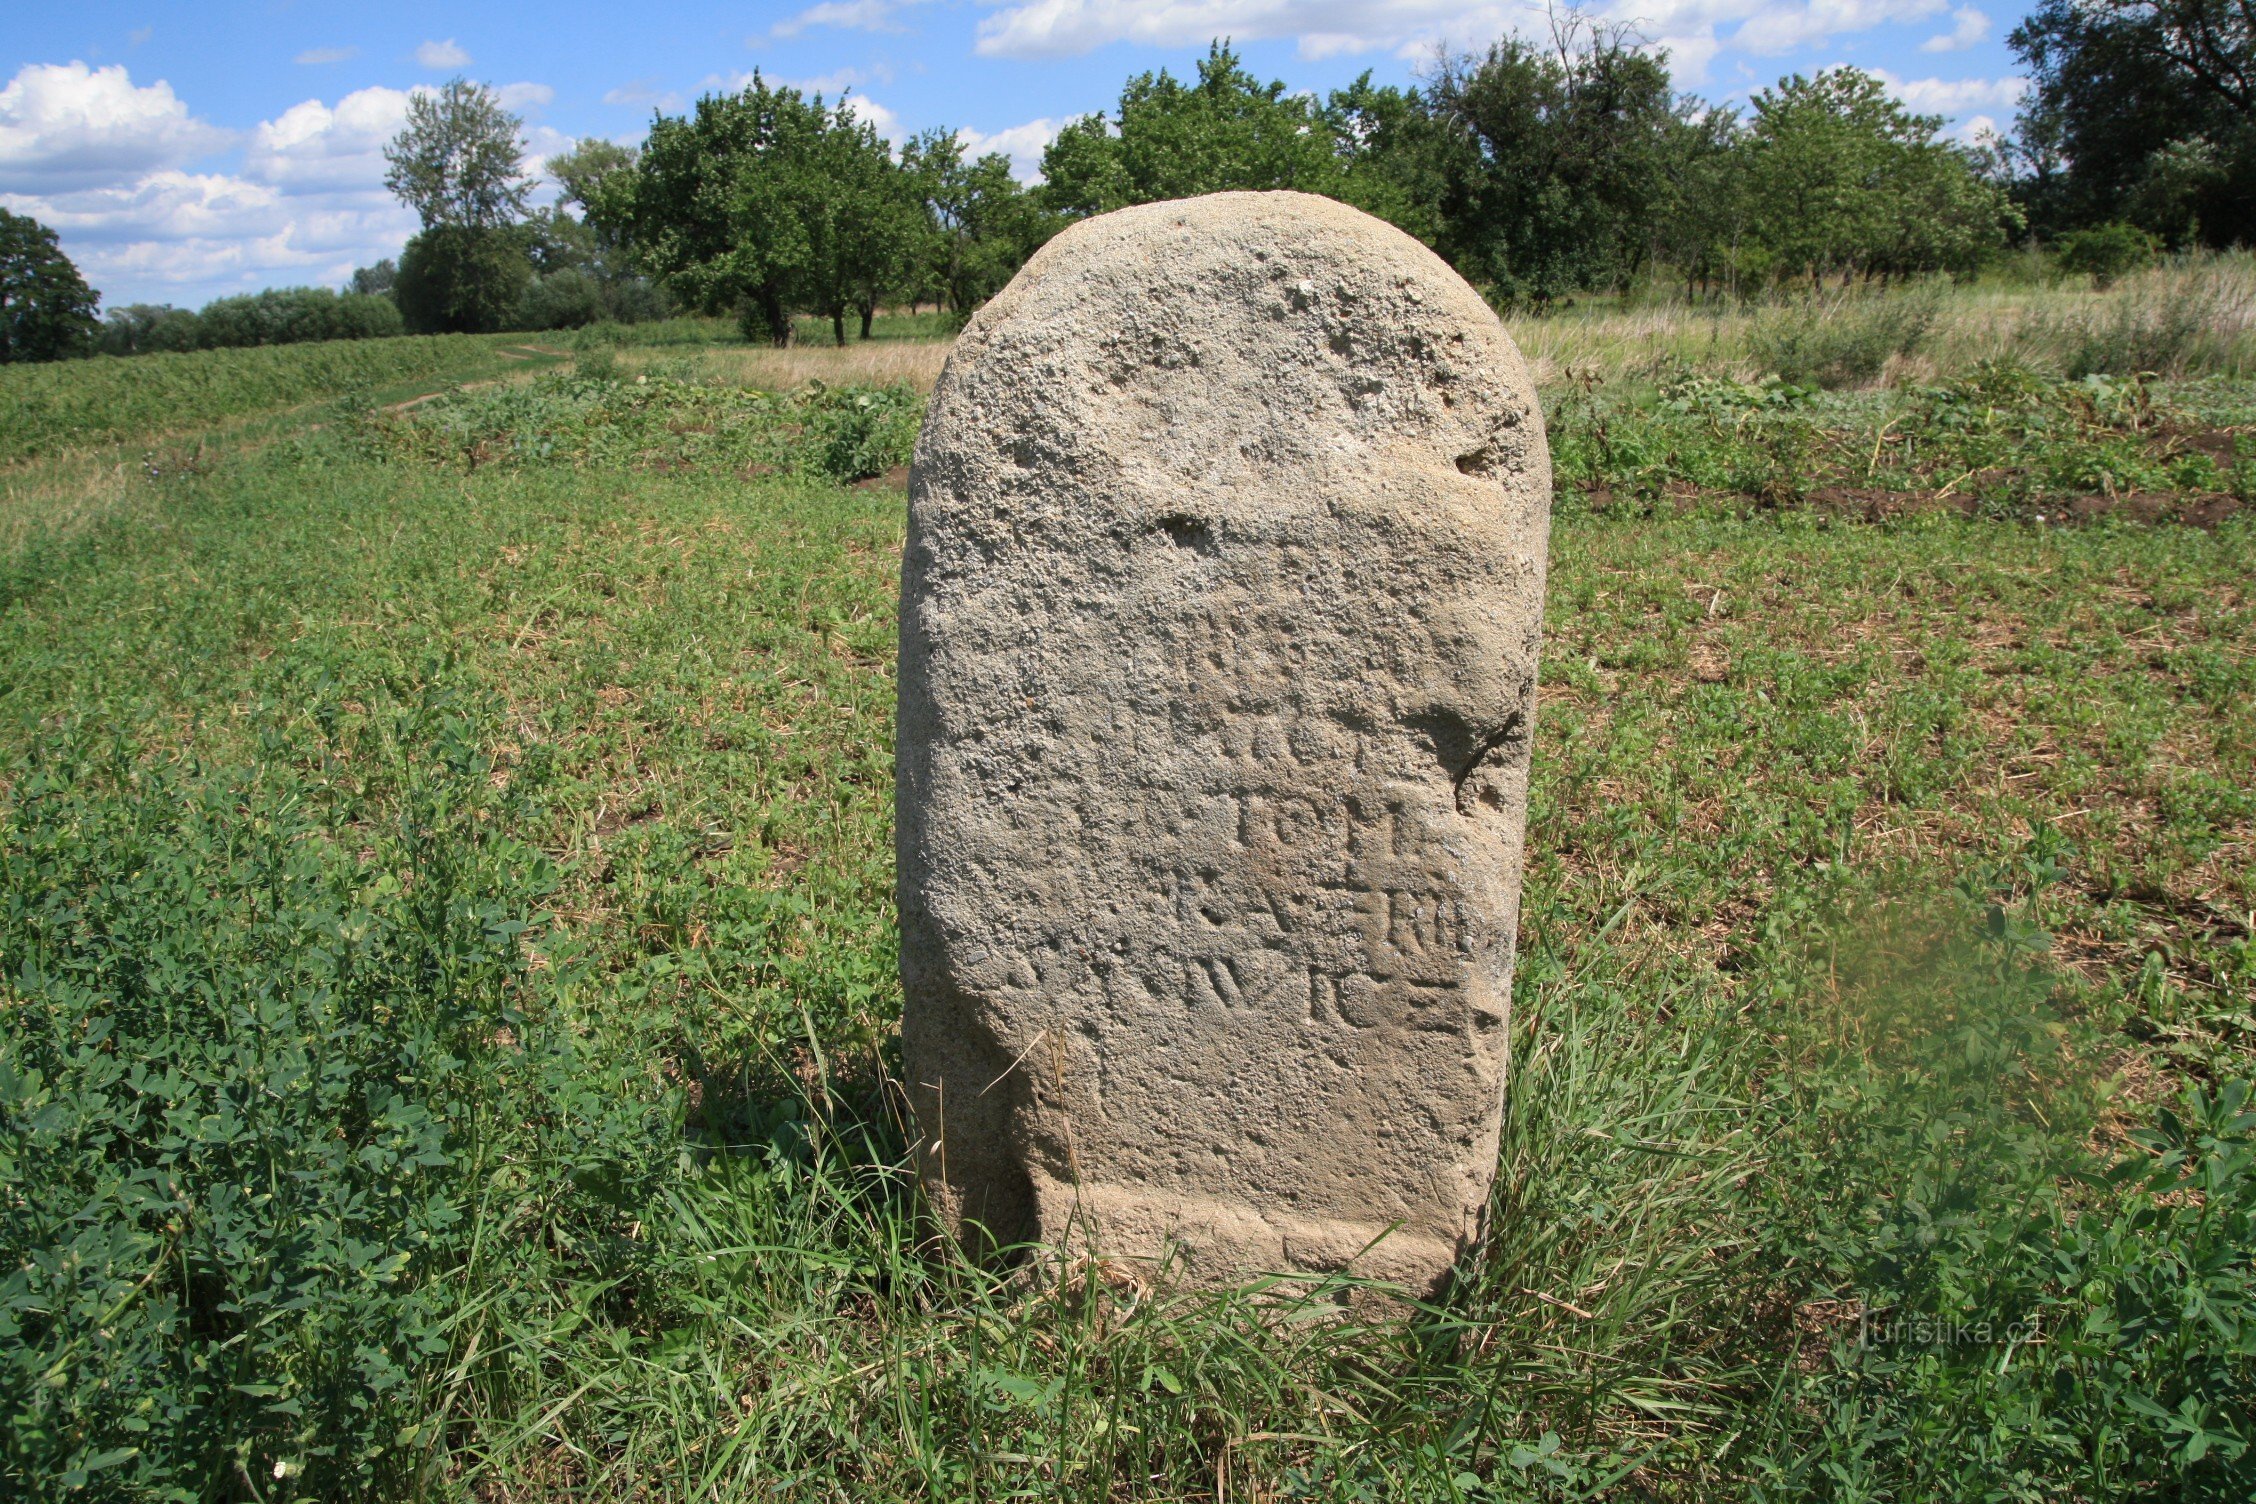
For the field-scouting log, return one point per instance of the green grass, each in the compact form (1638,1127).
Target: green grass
(450,994)
(79,404)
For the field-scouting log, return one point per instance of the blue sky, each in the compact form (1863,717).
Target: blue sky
(186,151)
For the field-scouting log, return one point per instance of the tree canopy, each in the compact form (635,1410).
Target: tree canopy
(460,159)
(46,308)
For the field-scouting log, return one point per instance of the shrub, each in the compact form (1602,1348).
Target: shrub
(263,1056)
(569,299)
(1844,341)
(456,279)
(2107,251)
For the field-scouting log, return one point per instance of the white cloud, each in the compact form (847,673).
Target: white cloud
(65,125)
(644,93)
(316,57)
(139,35)
(442,55)
(1021,143)
(522,97)
(1970,29)
(845,15)
(870,112)
(1783,28)
(1953,97)
(312,147)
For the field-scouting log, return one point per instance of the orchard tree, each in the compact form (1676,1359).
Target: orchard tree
(762,203)
(46,308)
(1171,139)
(1560,168)
(1843,179)
(865,230)
(980,224)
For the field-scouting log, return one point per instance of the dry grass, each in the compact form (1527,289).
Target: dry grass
(875,363)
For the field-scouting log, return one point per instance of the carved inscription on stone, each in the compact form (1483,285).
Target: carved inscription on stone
(1218,647)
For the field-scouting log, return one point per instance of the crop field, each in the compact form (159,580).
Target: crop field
(447,991)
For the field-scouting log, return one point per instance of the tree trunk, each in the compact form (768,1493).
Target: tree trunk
(869,312)
(838,326)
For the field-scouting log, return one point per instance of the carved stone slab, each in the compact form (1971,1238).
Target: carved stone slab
(1219,617)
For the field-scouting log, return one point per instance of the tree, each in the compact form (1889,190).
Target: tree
(1559,171)
(1171,139)
(461,279)
(864,231)
(1843,179)
(732,208)
(46,308)
(2142,110)
(980,225)
(460,159)
(374,281)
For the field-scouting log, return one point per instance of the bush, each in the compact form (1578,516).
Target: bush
(569,299)
(461,280)
(2107,251)
(256,1082)
(1845,341)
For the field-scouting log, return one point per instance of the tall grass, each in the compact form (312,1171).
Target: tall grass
(2190,317)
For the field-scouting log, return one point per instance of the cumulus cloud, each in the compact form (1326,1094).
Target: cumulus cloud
(313,147)
(1782,28)
(1409,29)
(307,204)
(1953,97)
(1969,29)
(844,15)
(317,57)
(442,55)
(65,125)
(1023,144)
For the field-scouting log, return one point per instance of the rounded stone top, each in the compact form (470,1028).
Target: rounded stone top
(1236,338)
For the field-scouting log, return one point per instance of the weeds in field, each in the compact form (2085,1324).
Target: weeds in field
(447,985)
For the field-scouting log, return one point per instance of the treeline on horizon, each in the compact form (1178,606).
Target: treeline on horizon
(1540,171)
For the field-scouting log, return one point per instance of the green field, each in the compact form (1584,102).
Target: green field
(449,995)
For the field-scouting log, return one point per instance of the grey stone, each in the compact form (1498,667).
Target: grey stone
(1219,617)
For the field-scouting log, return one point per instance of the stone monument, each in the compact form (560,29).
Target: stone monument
(1219,617)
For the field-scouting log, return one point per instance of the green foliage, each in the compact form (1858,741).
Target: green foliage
(103,400)
(2140,112)
(2106,251)
(1839,341)
(1558,163)
(1842,179)
(601,420)
(1171,139)
(459,162)
(979,225)
(46,308)
(766,202)
(462,279)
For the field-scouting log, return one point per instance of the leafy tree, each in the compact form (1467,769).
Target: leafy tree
(1561,167)
(460,160)
(1843,179)
(732,208)
(598,176)
(140,328)
(980,224)
(865,230)
(1170,139)
(2142,110)
(461,279)
(1397,158)
(374,281)
(46,308)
